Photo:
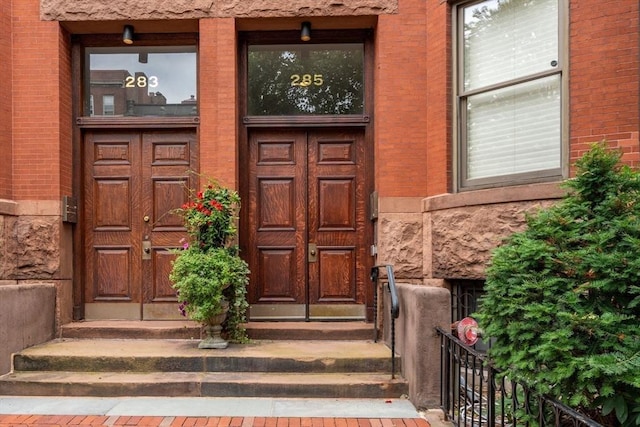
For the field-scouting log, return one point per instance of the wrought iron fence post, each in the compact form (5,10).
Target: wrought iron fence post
(470,394)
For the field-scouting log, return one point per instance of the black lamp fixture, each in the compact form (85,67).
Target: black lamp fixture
(305,31)
(127,34)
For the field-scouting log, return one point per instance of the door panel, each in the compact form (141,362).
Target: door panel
(166,158)
(337,219)
(132,181)
(307,218)
(278,210)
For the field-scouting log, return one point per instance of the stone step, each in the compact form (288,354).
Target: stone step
(117,355)
(201,384)
(190,330)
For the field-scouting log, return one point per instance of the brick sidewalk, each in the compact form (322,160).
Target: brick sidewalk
(89,420)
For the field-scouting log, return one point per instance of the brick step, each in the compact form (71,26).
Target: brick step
(190,330)
(115,355)
(201,384)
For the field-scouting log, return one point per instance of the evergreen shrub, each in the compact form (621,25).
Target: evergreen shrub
(562,301)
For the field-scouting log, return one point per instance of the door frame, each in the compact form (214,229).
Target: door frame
(81,123)
(309,123)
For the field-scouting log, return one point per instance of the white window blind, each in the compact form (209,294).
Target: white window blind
(514,129)
(511,88)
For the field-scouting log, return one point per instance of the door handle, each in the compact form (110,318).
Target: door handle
(146,218)
(313,253)
(146,249)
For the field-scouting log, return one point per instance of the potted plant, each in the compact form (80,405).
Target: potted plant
(208,274)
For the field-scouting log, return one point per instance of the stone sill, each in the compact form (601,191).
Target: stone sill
(519,193)
(8,207)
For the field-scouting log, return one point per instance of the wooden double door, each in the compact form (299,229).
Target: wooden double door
(308,236)
(132,182)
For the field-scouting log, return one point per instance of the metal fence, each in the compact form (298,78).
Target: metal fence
(474,394)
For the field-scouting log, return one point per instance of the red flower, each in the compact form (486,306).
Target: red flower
(216,205)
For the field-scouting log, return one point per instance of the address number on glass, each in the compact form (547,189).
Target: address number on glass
(305,80)
(141,81)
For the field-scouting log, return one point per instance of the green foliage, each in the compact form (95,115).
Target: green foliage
(210,215)
(208,273)
(563,297)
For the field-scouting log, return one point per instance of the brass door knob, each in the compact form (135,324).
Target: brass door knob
(146,218)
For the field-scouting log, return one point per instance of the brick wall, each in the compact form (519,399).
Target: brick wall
(413,89)
(439,104)
(401,102)
(5,99)
(604,68)
(218,82)
(36,105)
(65,111)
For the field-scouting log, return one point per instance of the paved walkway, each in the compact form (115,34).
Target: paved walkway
(92,420)
(218,412)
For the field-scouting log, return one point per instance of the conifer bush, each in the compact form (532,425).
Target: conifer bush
(562,300)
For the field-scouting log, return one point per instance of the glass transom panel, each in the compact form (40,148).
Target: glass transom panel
(141,81)
(305,79)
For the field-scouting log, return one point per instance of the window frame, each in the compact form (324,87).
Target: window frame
(460,97)
(112,105)
(80,68)
(247,38)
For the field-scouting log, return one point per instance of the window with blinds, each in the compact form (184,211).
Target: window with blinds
(509,91)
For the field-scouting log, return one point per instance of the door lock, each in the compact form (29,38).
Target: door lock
(313,253)
(146,249)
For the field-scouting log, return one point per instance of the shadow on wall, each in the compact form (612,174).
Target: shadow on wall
(27,318)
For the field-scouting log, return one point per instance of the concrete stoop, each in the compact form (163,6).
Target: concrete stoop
(113,366)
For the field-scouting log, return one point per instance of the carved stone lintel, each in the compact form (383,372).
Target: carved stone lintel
(99,10)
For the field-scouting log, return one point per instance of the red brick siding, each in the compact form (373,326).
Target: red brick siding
(413,90)
(5,100)
(604,74)
(401,123)
(36,105)
(217,87)
(65,113)
(439,104)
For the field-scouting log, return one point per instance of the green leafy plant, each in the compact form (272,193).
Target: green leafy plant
(562,297)
(208,274)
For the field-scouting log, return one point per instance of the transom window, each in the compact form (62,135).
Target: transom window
(509,90)
(141,81)
(305,79)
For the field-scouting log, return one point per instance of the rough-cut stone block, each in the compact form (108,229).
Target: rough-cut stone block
(400,243)
(32,247)
(99,10)
(462,239)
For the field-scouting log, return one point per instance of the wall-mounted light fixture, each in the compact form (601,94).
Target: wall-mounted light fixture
(305,31)
(127,34)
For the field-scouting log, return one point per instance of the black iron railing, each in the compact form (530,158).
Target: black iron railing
(394,309)
(474,394)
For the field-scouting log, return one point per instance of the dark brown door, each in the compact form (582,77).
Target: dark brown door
(132,180)
(307,238)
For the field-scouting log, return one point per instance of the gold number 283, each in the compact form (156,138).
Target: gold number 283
(305,80)
(141,81)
